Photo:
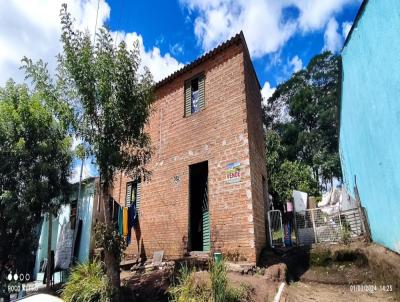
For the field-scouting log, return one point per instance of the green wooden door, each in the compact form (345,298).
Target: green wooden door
(206,220)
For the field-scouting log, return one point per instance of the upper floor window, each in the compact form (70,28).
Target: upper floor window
(194,95)
(133,193)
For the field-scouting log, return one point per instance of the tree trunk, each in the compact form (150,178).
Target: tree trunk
(112,265)
(48,268)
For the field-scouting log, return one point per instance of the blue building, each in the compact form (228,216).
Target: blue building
(82,214)
(370,116)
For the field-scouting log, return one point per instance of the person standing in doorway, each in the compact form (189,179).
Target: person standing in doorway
(288,214)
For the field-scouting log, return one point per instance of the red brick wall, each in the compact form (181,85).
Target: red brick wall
(257,154)
(219,135)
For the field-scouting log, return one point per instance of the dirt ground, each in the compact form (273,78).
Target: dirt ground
(304,292)
(153,286)
(150,286)
(356,272)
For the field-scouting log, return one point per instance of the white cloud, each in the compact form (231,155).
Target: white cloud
(314,14)
(333,40)
(33,30)
(346,26)
(176,49)
(263,22)
(159,65)
(267,91)
(296,63)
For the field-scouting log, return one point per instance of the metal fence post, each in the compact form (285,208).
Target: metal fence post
(313,224)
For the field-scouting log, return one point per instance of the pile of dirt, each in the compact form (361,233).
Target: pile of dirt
(262,289)
(355,272)
(146,286)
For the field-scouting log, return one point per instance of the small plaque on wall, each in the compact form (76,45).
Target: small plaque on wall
(233,172)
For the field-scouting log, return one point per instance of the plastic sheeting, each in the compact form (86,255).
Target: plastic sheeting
(337,199)
(300,201)
(62,256)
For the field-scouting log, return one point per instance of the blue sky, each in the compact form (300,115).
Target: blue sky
(170,25)
(282,35)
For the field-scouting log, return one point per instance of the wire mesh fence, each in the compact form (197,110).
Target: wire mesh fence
(319,225)
(327,225)
(276,235)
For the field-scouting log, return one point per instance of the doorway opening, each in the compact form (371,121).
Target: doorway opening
(199,218)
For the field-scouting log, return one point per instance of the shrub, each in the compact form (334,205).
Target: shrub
(345,233)
(107,237)
(187,288)
(219,281)
(87,283)
(191,288)
(320,256)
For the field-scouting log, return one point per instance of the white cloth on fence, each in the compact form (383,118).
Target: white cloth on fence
(337,199)
(300,201)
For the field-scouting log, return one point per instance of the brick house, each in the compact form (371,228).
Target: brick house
(208,186)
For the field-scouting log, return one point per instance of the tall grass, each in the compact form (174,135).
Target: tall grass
(87,283)
(219,281)
(188,288)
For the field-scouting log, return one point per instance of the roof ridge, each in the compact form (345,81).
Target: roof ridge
(238,37)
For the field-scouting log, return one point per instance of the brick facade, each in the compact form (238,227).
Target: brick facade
(228,130)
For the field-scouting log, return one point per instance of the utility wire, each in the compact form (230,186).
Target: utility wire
(95,27)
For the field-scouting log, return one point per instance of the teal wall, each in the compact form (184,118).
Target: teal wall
(370,117)
(85,208)
(85,212)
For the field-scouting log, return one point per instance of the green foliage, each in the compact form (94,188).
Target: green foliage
(302,120)
(87,283)
(188,289)
(192,288)
(219,281)
(35,160)
(112,98)
(345,232)
(80,152)
(100,95)
(293,176)
(107,237)
(320,256)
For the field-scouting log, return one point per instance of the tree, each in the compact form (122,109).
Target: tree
(303,111)
(284,175)
(112,102)
(35,160)
(292,176)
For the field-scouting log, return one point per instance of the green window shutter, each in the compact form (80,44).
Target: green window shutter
(188,98)
(206,231)
(128,194)
(201,92)
(138,195)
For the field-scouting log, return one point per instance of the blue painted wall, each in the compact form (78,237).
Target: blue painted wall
(85,211)
(370,117)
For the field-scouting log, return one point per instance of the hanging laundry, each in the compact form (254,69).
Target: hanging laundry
(132,216)
(125,221)
(120,220)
